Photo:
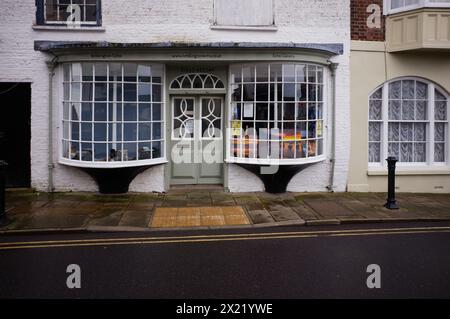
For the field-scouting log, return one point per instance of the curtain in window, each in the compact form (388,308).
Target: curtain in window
(408,122)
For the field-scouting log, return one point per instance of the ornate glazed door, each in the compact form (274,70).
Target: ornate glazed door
(196,144)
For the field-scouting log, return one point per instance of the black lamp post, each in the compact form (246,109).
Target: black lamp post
(391,202)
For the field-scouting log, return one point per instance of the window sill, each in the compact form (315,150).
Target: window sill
(68,29)
(244,28)
(280,162)
(111,165)
(410,171)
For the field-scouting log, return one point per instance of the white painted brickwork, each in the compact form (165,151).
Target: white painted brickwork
(302,21)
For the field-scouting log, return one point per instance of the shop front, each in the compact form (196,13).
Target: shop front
(192,114)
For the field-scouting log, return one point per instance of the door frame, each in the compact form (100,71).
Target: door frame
(197,97)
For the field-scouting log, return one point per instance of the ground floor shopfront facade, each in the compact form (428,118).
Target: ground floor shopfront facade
(206,116)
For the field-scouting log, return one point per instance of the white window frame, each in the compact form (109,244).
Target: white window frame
(422,4)
(281,160)
(430,129)
(97,21)
(111,164)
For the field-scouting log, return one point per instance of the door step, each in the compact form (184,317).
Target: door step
(197,187)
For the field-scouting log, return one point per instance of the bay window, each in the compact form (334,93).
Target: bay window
(394,6)
(112,114)
(408,120)
(277,113)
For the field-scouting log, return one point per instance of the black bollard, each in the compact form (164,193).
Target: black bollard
(3,219)
(391,202)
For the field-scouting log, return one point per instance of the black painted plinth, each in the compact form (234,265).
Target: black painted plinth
(115,180)
(277,182)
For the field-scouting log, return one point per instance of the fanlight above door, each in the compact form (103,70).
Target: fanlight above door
(197,81)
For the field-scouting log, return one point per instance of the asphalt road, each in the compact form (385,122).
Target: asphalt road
(292,262)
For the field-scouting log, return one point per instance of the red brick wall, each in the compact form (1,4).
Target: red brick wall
(359,15)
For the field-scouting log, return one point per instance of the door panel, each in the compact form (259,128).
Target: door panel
(184,170)
(211,138)
(196,140)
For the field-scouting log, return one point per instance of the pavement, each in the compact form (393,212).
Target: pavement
(32,211)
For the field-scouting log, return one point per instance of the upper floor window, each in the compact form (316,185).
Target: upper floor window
(394,6)
(68,12)
(248,13)
(408,119)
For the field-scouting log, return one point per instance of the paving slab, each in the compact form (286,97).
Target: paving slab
(328,208)
(135,218)
(260,217)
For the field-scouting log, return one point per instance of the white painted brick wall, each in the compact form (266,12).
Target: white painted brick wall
(302,21)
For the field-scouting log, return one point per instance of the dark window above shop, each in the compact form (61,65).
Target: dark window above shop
(68,12)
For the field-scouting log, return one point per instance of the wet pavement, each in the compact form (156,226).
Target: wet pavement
(41,211)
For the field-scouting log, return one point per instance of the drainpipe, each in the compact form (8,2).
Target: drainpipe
(51,65)
(333,66)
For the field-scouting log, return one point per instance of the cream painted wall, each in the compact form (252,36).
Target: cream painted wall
(371,66)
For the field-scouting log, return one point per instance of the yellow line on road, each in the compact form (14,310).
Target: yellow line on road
(219,238)
(323,232)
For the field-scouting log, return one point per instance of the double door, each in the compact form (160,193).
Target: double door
(196,140)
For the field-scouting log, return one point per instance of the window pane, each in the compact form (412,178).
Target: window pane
(88,89)
(130,72)
(129,151)
(408,90)
(86,131)
(130,112)
(144,92)
(374,132)
(394,150)
(408,110)
(374,152)
(420,152)
(100,112)
(406,152)
(100,152)
(395,90)
(145,112)
(144,73)
(145,151)
(394,110)
(86,111)
(145,132)
(87,71)
(421,110)
(375,109)
(406,132)
(101,72)
(420,132)
(130,132)
(439,152)
(439,129)
(421,91)
(440,111)
(100,132)
(394,131)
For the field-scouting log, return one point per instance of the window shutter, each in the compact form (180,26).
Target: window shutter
(244,13)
